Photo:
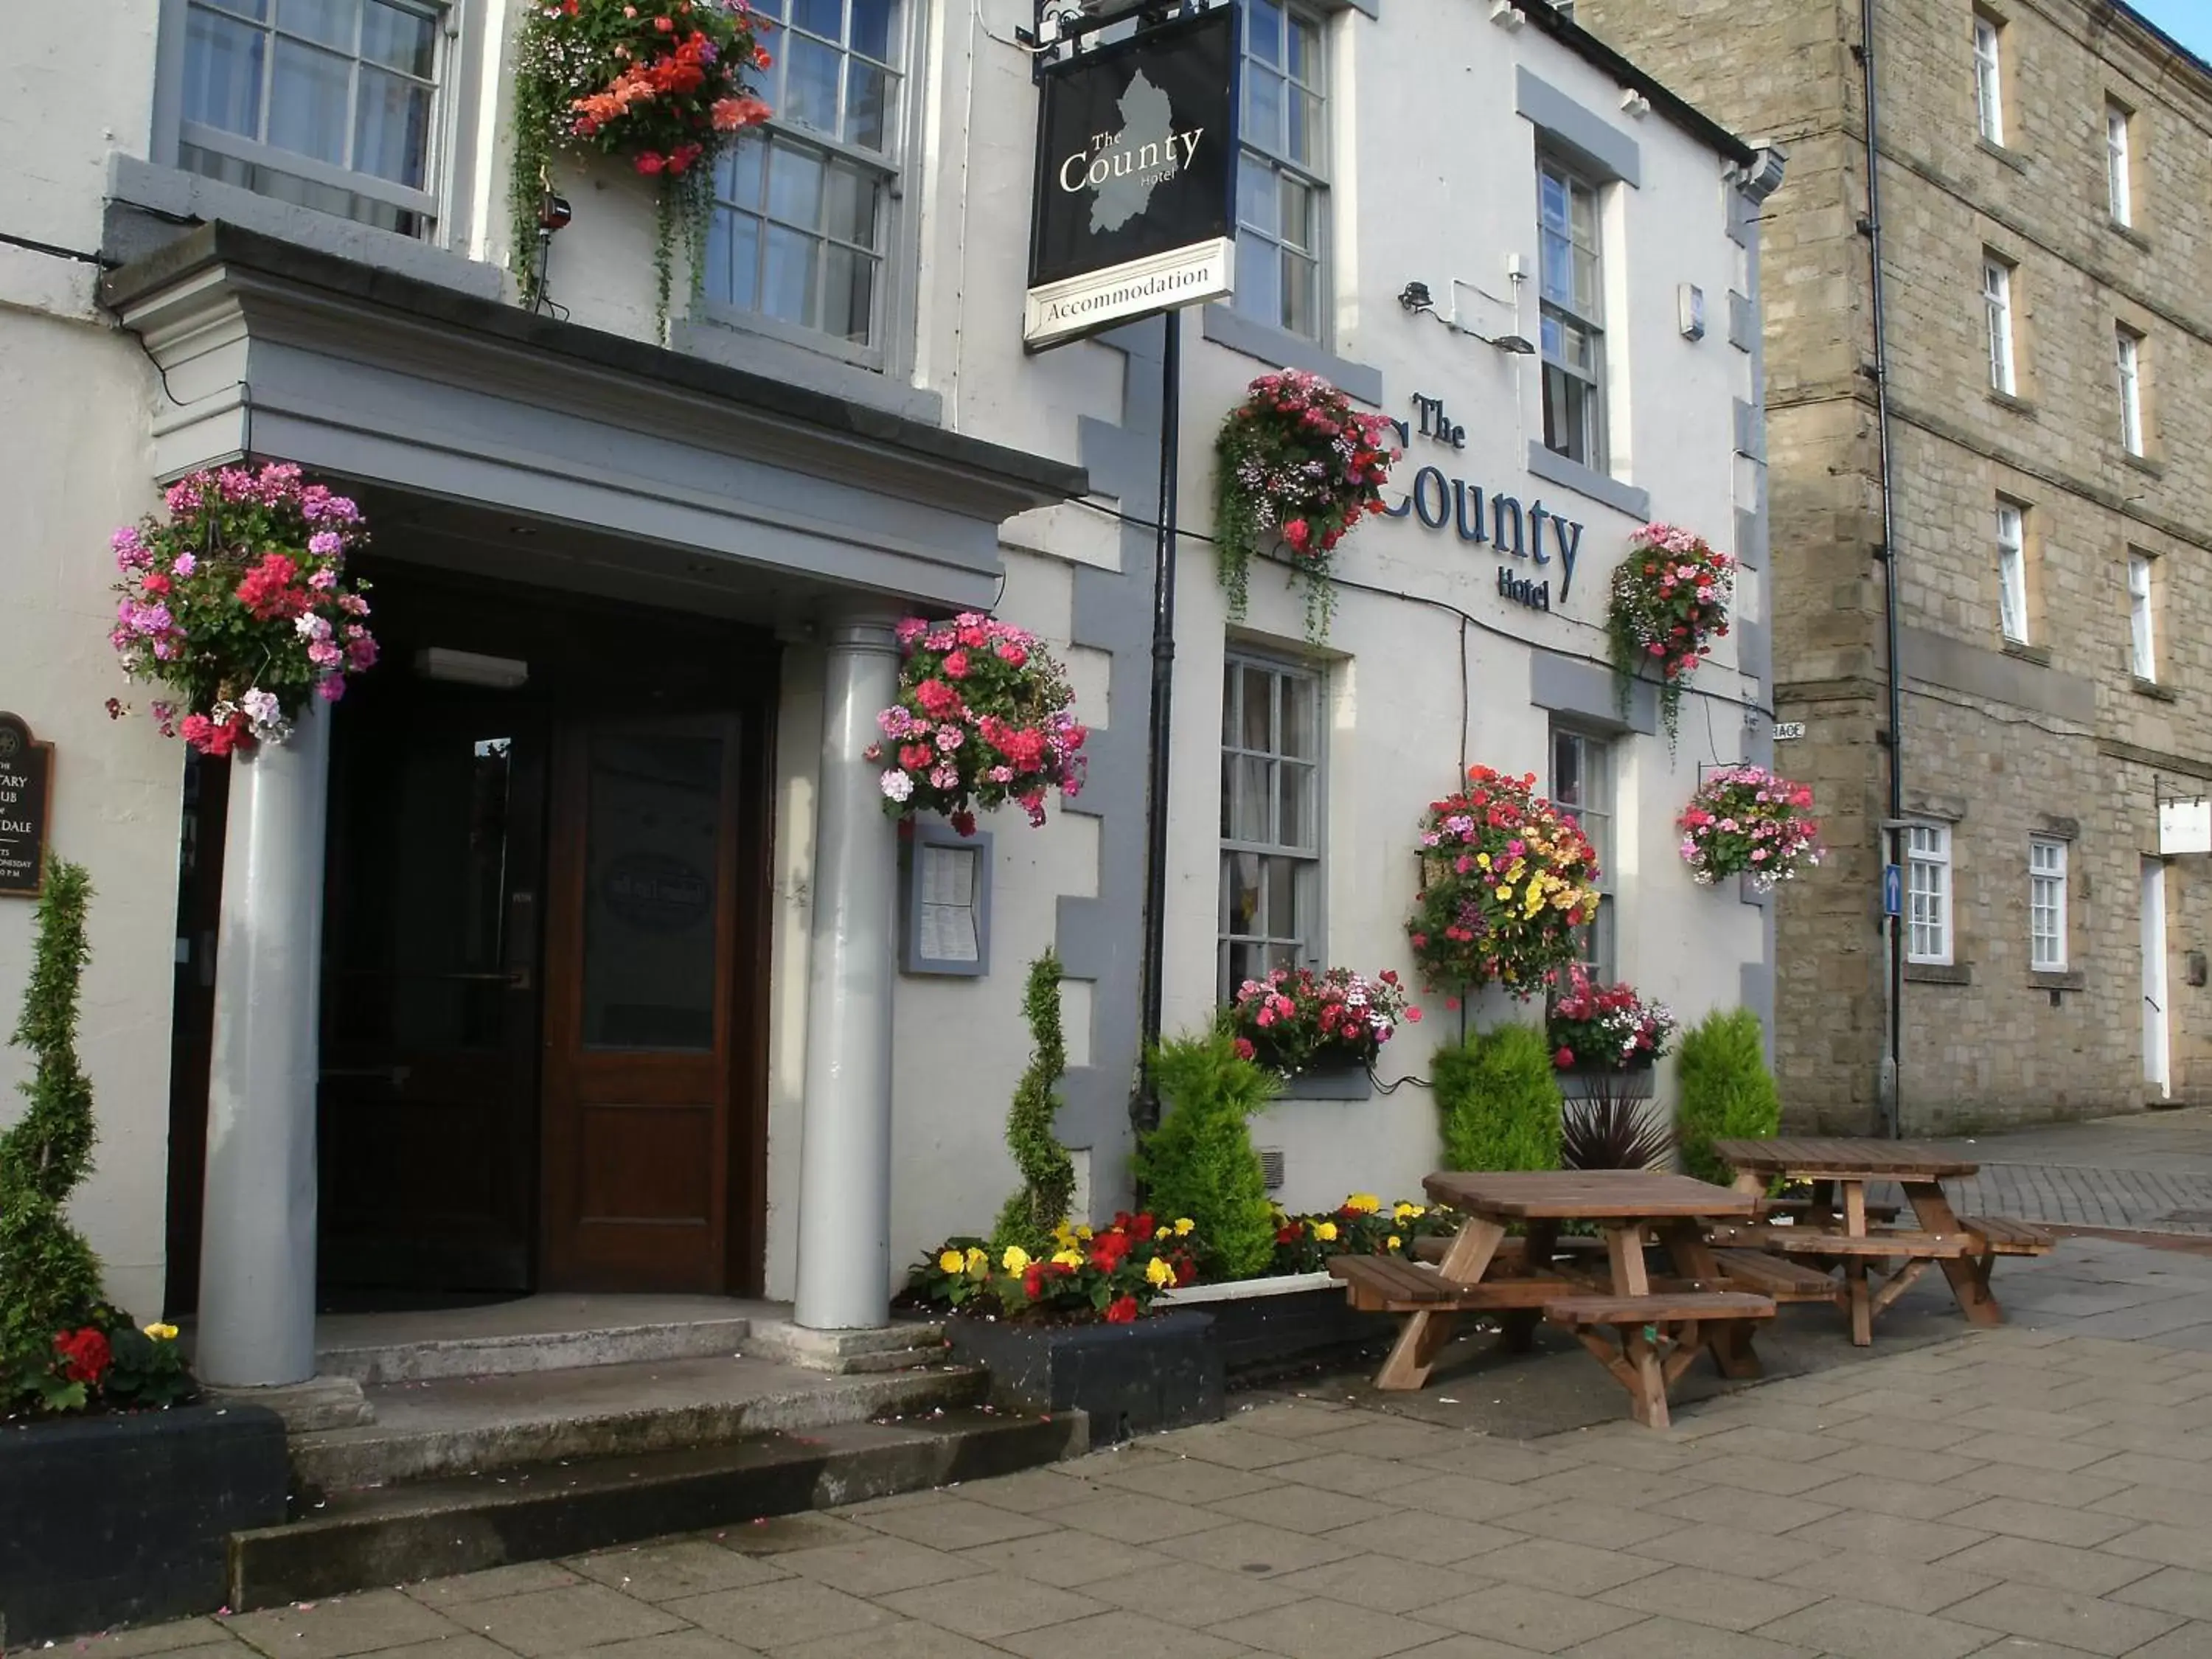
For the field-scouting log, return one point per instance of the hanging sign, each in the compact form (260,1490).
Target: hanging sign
(27,771)
(1135,208)
(2185,826)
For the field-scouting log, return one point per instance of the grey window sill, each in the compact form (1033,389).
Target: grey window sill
(2038,655)
(1940,973)
(2011,158)
(723,336)
(1601,487)
(2142,463)
(2151,688)
(1280,349)
(2071,980)
(2128,232)
(2017,405)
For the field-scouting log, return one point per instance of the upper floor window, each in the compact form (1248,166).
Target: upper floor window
(331,104)
(1282,184)
(2046,905)
(2143,624)
(2127,350)
(1271,801)
(2118,177)
(2012,573)
(802,225)
(1996,308)
(1928,892)
(1989,79)
(1571,294)
(1581,781)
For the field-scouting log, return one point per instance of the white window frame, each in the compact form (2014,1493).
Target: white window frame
(892,255)
(172,131)
(1927,893)
(1275,155)
(2119,147)
(1592,805)
(1562,312)
(1299,945)
(1989,78)
(2046,904)
(1997,310)
(2012,571)
(2127,346)
(2142,619)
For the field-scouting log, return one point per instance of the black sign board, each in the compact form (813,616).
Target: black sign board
(26,777)
(1136,180)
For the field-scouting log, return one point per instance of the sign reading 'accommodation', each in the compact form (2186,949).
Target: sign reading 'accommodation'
(27,770)
(1136,177)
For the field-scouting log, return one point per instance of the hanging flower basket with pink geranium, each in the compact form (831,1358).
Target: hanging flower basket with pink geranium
(1669,603)
(657,83)
(981,720)
(1297,1022)
(1296,465)
(237,601)
(1745,820)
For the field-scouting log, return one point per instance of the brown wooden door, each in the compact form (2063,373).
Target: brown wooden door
(641,954)
(430,1057)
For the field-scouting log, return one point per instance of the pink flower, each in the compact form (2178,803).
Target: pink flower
(956,665)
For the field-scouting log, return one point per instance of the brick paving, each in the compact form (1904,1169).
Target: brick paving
(2151,1172)
(2042,1489)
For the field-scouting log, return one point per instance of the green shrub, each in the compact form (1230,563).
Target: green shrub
(1726,1092)
(1200,1162)
(49,1276)
(1498,1098)
(1048,1172)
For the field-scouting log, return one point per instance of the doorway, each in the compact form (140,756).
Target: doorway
(2157,1046)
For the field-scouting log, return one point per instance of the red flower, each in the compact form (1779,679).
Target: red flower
(1244,1048)
(1565,1057)
(1108,1251)
(1122,1311)
(956,665)
(1033,1280)
(1143,1227)
(650,162)
(963,823)
(84,1354)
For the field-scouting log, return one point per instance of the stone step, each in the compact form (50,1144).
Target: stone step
(512,1354)
(896,1346)
(429,1530)
(453,1426)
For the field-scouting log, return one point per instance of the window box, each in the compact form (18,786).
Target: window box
(1608,1082)
(1333,1080)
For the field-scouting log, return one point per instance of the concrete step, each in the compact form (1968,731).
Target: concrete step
(432,1528)
(899,1345)
(509,1355)
(453,1426)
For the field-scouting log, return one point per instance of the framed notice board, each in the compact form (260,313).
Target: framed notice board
(27,794)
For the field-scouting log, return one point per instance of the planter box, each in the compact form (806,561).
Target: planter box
(1161,1372)
(1262,1322)
(1634,1083)
(107,1521)
(1330,1083)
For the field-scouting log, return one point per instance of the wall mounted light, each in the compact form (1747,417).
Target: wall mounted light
(471,668)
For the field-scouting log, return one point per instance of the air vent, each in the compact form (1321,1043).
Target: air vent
(1271,1167)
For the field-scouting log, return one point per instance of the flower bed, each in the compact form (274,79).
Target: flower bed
(1114,1273)
(1746,821)
(1507,877)
(98,1361)
(981,720)
(1295,464)
(237,602)
(1300,1022)
(1669,602)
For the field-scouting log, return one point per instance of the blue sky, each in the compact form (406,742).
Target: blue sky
(2189,22)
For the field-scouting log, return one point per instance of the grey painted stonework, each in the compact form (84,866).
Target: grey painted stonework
(1601,487)
(1585,135)
(720,336)
(1750,540)
(1755,646)
(1280,349)
(1742,322)
(1590,694)
(1750,429)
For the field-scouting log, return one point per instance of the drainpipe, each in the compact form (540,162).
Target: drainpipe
(1892,828)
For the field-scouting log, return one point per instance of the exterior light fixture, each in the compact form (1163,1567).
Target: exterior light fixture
(1415,297)
(470,668)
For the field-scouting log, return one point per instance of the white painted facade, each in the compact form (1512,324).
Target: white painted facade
(1432,178)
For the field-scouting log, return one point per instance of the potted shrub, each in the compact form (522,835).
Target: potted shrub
(1327,1027)
(1497,1096)
(1727,1091)
(1745,820)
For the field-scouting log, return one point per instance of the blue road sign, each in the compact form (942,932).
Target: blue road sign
(1892,889)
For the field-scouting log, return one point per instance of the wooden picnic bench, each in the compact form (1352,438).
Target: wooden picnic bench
(1659,1326)
(1838,1233)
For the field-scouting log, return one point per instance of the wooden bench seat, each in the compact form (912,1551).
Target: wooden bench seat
(1801,1206)
(1660,1307)
(1512,1253)
(1777,1276)
(1391,1284)
(2001,1236)
(1800,1241)
(1655,1338)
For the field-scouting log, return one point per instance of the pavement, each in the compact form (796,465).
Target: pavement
(2039,1490)
(2151,1171)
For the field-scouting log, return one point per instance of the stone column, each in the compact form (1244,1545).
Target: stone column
(256,1318)
(845,1151)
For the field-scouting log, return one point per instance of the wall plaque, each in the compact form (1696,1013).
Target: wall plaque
(26,777)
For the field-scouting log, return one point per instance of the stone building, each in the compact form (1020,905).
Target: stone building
(2043,332)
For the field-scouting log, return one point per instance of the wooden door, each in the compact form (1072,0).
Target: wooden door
(429,1054)
(640,1037)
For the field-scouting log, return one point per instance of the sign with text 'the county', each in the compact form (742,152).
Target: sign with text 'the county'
(1136,205)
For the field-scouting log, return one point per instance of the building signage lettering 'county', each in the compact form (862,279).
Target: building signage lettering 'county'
(1535,533)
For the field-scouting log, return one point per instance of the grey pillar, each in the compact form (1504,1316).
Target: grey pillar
(256,1318)
(845,1149)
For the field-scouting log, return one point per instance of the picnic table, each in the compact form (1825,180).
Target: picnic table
(1657,1328)
(1838,1230)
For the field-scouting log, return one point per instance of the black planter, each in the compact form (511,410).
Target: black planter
(1607,1082)
(1255,1333)
(1163,1371)
(107,1521)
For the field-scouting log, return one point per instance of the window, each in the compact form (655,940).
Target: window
(803,202)
(1571,301)
(2118,185)
(1996,305)
(1281,185)
(2127,346)
(2012,573)
(2046,905)
(2142,633)
(1270,820)
(1928,893)
(1581,781)
(1989,79)
(331,104)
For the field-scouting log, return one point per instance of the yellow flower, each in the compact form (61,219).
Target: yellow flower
(951,1262)
(1157,1272)
(162,1333)
(1183,1225)
(1483,858)
(1505,896)
(1083,1234)
(1366,1203)
(1015,1259)
(1325,1231)
(1393,1241)
(1408,1212)
(1070,1258)
(1064,1236)
(979,1265)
